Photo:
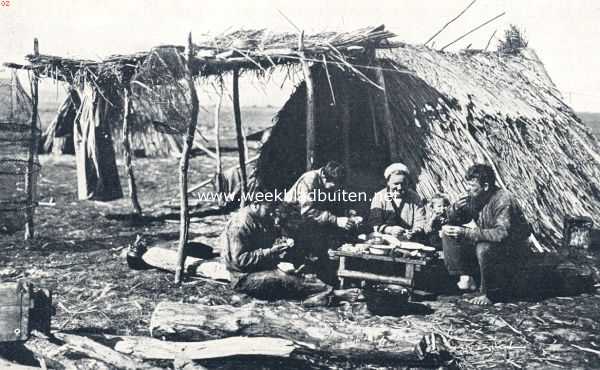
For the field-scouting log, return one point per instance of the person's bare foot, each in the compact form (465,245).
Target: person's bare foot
(481,300)
(348,295)
(466,282)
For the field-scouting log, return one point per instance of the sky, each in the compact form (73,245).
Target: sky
(564,33)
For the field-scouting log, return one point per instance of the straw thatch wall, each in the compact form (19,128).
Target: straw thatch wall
(448,112)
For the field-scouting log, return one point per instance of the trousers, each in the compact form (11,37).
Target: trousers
(276,284)
(496,263)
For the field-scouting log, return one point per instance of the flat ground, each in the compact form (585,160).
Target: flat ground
(78,255)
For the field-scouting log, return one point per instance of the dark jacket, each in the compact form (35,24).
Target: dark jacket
(301,194)
(410,214)
(499,219)
(246,243)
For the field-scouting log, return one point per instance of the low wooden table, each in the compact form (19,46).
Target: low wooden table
(410,266)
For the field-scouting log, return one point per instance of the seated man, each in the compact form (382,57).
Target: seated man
(397,210)
(497,244)
(251,253)
(325,227)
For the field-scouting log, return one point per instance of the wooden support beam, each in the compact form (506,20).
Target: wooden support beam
(311,134)
(127,150)
(218,164)
(29,176)
(387,116)
(184,220)
(239,133)
(345,121)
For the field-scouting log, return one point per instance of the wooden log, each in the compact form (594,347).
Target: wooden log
(183,167)
(311,133)
(97,351)
(155,349)
(127,151)
(30,189)
(166,259)
(325,332)
(7,365)
(239,133)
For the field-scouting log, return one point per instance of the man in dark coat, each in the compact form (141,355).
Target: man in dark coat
(498,243)
(252,250)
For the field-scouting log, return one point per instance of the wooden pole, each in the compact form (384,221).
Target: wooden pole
(448,23)
(29,177)
(372,58)
(218,164)
(184,220)
(310,106)
(345,120)
(387,117)
(127,150)
(239,134)
(473,30)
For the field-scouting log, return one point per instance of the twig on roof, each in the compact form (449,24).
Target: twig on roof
(341,58)
(250,59)
(474,29)
(329,80)
(490,40)
(289,20)
(452,20)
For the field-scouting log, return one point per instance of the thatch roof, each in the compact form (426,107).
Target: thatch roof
(214,55)
(449,111)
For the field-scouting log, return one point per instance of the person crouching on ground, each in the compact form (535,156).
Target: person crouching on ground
(498,243)
(397,210)
(251,251)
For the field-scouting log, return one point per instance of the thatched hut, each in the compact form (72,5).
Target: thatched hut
(367,102)
(439,113)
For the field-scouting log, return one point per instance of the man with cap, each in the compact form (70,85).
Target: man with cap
(397,210)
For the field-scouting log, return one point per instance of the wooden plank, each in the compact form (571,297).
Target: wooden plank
(367,256)
(166,259)
(97,351)
(327,331)
(239,133)
(156,349)
(359,275)
(183,167)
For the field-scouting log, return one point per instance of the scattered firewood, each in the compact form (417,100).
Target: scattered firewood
(95,350)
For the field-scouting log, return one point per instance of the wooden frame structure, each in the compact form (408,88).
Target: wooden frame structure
(238,51)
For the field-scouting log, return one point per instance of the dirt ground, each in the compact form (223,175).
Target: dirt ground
(78,255)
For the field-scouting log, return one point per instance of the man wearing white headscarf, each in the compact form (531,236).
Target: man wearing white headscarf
(397,210)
